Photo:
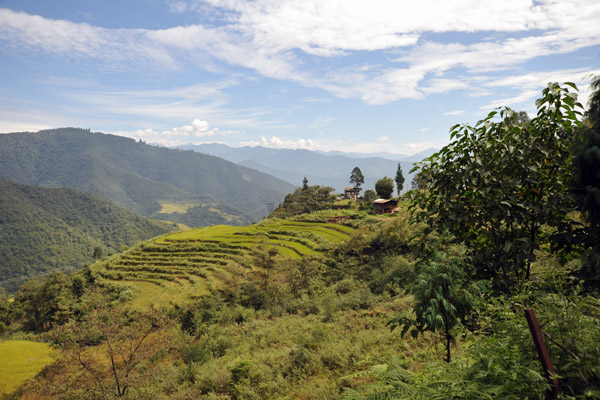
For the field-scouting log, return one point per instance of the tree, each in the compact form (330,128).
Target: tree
(115,366)
(367,200)
(264,258)
(385,187)
(522,118)
(499,182)
(444,297)
(399,179)
(304,183)
(420,181)
(46,303)
(356,177)
(586,192)
(370,196)
(302,201)
(98,253)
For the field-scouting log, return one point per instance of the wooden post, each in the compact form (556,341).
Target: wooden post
(540,346)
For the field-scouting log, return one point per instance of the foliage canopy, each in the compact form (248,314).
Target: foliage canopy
(399,179)
(385,187)
(500,182)
(356,177)
(305,200)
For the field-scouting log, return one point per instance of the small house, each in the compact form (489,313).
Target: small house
(352,193)
(384,206)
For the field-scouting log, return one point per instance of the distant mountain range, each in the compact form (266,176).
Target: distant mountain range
(331,168)
(44,230)
(182,186)
(383,154)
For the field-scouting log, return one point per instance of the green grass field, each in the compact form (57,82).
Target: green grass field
(21,360)
(170,208)
(172,268)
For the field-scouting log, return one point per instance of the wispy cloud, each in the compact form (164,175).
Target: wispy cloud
(529,84)
(456,112)
(20,31)
(251,35)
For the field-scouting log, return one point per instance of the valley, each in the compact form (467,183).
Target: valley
(326,298)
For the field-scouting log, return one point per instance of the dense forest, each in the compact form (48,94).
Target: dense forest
(44,230)
(325,302)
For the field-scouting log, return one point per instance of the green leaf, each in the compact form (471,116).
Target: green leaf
(571,84)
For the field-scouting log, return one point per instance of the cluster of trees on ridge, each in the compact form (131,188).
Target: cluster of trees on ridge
(508,219)
(384,187)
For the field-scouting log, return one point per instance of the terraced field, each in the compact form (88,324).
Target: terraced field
(172,268)
(21,360)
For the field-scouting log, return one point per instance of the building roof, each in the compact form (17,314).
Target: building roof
(383,201)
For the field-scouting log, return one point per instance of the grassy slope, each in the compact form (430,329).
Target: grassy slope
(302,347)
(175,267)
(21,360)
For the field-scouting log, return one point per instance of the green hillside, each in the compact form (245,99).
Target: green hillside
(140,177)
(459,294)
(44,230)
(170,269)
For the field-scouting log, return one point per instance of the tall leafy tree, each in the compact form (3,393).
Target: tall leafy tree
(384,187)
(304,183)
(586,190)
(356,177)
(499,182)
(399,179)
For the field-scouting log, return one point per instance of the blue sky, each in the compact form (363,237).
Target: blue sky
(345,75)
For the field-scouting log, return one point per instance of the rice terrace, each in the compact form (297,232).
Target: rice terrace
(171,268)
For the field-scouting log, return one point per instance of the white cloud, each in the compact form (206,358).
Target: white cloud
(524,98)
(251,35)
(331,27)
(457,112)
(424,129)
(80,40)
(10,126)
(529,86)
(444,85)
(383,139)
(279,143)
(417,147)
(179,135)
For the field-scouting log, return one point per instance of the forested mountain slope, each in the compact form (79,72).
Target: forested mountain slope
(138,176)
(44,230)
